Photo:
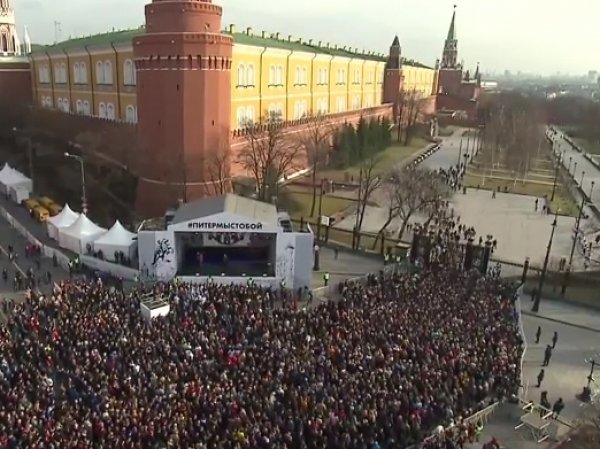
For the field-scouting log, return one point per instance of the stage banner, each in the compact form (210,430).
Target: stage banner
(224,222)
(157,257)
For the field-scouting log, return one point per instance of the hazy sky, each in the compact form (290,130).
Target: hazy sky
(529,35)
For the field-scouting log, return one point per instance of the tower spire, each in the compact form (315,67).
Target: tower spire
(450,53)
(452,30)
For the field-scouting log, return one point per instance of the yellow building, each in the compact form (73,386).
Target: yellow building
(271,74)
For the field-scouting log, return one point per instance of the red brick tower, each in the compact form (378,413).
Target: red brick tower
(392,82)
(183,63)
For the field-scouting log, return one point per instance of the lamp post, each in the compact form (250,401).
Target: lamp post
(582,176)
(538,297)
(569,167)
(555,179)
(577,226)
(592,189)
(586,395)
(82,167)
(574,168)
(460,152)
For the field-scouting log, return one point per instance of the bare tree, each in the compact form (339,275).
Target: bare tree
(218,167)
(415,191)
(314,143)
(587,436)
(400,113)
(268,155)
(414,109)
(369,181)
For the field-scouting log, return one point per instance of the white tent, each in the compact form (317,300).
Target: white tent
(117,239)
(64,219)
(81,233)
(11,177)
(19,192)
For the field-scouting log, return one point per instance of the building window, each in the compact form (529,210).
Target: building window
(66,105)
(323,77)
(341,76)
(297,79)
(63,72)
(250,82)
(341,104)
(279,77)
(322,106)
(57,76)
(86,108)
(241,75)
(82,73)
(102,110)
(241,118)
(44,74)
(304,77)
(108,75)
(250,115)
(110,111)
(79,107)
(272,75)
(129,75)
(356,103)
(76,73)
(130,114)
(99,73)
(356,76)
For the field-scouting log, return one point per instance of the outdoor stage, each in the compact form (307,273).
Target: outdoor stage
(225,239)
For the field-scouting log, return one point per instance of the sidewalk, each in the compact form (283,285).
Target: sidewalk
(564,313)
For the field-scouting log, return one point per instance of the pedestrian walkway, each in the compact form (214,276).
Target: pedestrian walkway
(565,313)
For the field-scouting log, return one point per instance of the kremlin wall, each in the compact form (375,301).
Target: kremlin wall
(188,87)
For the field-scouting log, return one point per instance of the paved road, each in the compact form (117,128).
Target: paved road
(578,165)
(10,237)
(564,377)
(450,151)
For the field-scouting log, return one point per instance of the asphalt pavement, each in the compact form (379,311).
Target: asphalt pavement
(10,237)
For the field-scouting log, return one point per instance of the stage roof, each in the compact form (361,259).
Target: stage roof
(230,203)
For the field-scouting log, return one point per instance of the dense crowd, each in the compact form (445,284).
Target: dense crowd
(230,367)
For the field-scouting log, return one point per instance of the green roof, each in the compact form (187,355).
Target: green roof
(123,36)
(113,37)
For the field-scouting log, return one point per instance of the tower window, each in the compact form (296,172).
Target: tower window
(241,75)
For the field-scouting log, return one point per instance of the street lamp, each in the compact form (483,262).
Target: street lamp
(459,153)
(575,168)
(582,176)
(569,167)
(538,297)
(555,179)
(81,165)
(577,226)
(592,189)
(586,395)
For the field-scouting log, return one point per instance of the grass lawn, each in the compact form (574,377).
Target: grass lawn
(298,203)
(562,199)
(387,159)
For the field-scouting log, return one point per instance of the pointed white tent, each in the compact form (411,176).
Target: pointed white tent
(117,239)
(9,177)
(82,232)
(64,219)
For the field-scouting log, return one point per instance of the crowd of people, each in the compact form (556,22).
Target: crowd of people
(229,367)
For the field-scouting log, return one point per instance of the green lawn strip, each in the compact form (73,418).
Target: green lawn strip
(298,203)
(387,159)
